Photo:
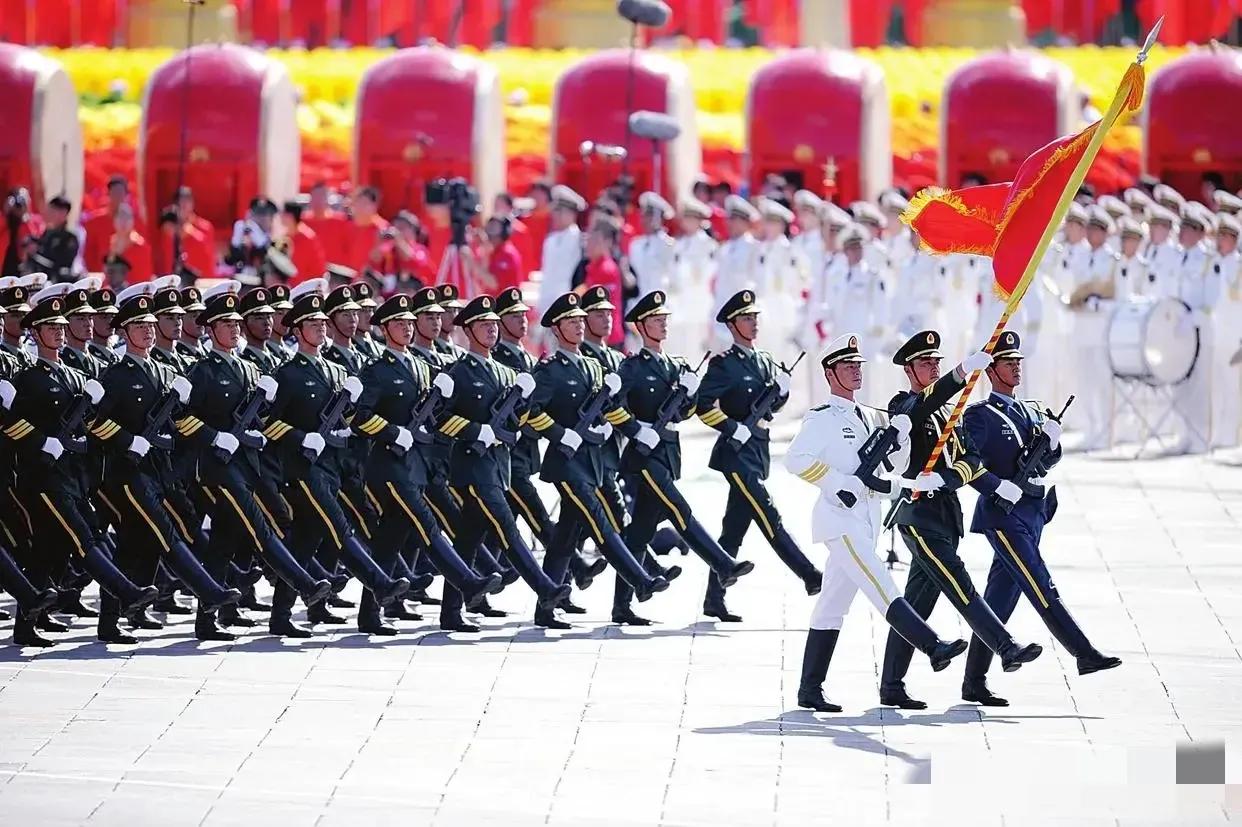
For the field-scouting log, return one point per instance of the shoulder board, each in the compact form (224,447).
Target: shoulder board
(819,408)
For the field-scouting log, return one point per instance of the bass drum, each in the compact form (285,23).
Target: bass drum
(1153,340)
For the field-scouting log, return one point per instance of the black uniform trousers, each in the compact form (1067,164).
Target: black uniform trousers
(485,512)
(144,520)
(525,501)
(241,526)
(318,520)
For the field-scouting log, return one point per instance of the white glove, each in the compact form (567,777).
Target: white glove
(647,436)
(139,446)
(976,361)
(1009,491)
(1093,304)
(342,433)
(928,482)
(1053,429)
(488,437)
(902,423)
(571,439)
(613,383)
(314,442)
(225,441)
(258,436)
(690,381)
(835,481)
(527,383)
(94,390)
(53,448)
(7,393)
(782,383)
(405,439)
(353,387)
(444,384)
(183,387)
(741,434)
(604,431)
(268,386)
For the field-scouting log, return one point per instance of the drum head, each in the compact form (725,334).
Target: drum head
(1170,347)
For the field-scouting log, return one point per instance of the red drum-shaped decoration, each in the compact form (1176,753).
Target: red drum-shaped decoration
(998,109)
(821,119)
(428,113)
(1190,121)
(590,117)
(41,142)
(238,115)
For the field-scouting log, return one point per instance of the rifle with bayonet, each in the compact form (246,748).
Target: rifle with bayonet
(669,411)
(1031,460)
(421,415)
(156,431)
(761,408)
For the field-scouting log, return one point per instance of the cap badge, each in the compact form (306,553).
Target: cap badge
(1009,338)
(853,341)
(142,303)
(658,298)
(572,299)
(55,305)
(931,338)
(229,302)
(345,294)
(746,297)
(315,302)
(403,301)
(486,302)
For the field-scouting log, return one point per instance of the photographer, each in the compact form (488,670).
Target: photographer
(504,260)
(128,244)
(305,247)
(58,246)
(365,238)
(20,225)
(460,264)
(251,237)
(414,266)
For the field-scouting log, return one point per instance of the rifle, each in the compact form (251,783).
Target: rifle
(71,422)
(420,416)
(502,415)
(590,412)
(881,443)
(329,420)
(1028,464)
(669,410)
(243,421)
(761,408)
(157,422)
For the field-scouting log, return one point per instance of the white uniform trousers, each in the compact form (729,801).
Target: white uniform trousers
(852,566)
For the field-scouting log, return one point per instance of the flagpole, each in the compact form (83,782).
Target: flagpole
(1124,93)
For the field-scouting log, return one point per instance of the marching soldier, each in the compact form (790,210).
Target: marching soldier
(1001,430)
(731,402)
(450,302)
(825,454)
(258,325)
(190,345)
(103,302)
(567,385)
(931,526)
(307,424)
(737,262)
(649,379)
(364,295)
(395,388)
(651,254)
(13,298)
(280,343)
(168,318)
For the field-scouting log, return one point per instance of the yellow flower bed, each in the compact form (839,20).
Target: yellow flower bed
(328,81)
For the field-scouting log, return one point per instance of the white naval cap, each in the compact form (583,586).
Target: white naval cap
(33,281)
(1097,216)
(738,207)
(1229,224)
(833,215)
(853,234)
(769,208)
(807,200)
(844,348)
(1168,197)
(563,196)
(1157,214)
(1198,216)
(90,283)
(1128,225)
(319,285)
(1113,205)
(1137,198)
(652,202)
(1077,212)
(894,201)
(694,208)
(226,286)
(142,288)
(867,213)
(165,282)
(58,289)
(8,281)
(1227,202)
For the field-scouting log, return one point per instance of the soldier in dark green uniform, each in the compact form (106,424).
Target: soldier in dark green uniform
(310,450)
(281,344)
(168,318)
(649,379)
(190,345)
(365,342)
(931,526)
(565,410)
(476,387)
(103,301)
(13,300)
(732,384)
(395,386)
(258,326)
(450,302)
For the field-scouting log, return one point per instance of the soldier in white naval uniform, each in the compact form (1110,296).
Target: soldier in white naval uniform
(1164,256)
(1132,275)
(875,250)
(827,283)
(1091,301)
(737,264)
(920,286)
(863,302)
(694,267)
(1055,374)
(562,248)
(651,254)
(1198,285)
(898,238)
(1227,322)
(781,279)
(825,454)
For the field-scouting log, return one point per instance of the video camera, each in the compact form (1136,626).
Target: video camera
(462,201)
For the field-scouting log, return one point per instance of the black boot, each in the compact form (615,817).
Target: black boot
(584,573)
(206,628)
(456,623)
(486,609)
(548,620)
(897,653)
(726,568)
(47,623)
(70,602)
(902,617)
(988,628)
(977,692)
(458,574)
(25,633)
(625,616)
(397,610)
(721,613)
(233,616)
(211,595)
(791,555)
(287,568)
(666,540)
(360,564)
(820,644)
(549,593)
(14,581)
(629,569)
(317,572)
(1070,635)
(320,613)
(285,627)
(974,680)
(142,619)
(168,604)
(100,566)
(109,631)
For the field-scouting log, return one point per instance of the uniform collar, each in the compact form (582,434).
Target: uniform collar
(570,356)
(480,358)
(841,403)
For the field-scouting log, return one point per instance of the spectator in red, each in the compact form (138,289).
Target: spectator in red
(185,209)
(198,251)
(504,259)
(504,207)
(306,249)
(99,224)
(538,222)
(439,231)
(602,270)
(364,247)
(20,230)
(329,225)
(128,244)
(714,197)
(414,265)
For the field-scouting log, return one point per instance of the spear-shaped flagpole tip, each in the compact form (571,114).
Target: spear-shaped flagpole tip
(1151,41)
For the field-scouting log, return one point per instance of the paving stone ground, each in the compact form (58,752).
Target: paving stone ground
(688,722)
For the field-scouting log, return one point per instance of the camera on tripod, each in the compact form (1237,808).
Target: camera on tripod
(462,201)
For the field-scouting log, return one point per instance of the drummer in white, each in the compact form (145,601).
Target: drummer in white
(1163,255)
(1132,279)
(1198,286)
(1091,301)
(825,454)
(1227,322)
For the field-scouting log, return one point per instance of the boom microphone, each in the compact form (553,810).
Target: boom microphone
(654,126)
(653,13)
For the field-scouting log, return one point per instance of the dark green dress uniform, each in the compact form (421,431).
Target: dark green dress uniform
(482,473)
(103,301)
(648,379)
(191,303)
(168,301)
(397,476)
(307,386)
(16,300)
(223,385)
(364,294)
(13,359)
(448,298)
(1001,430)
(733,381)
(524,460)
(564,383)
(931,526)
(137,489)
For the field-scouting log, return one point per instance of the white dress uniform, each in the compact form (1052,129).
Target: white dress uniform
(562,250)
(1163,263)
(823,453)
(863,304)
(920,284)
(1227,378)
(694,267)
(737,264)
(961,305)
(1132,277)
(1198,285)
(810,247)
(651,262)
(780,283)
(901,247)
(1088,335)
